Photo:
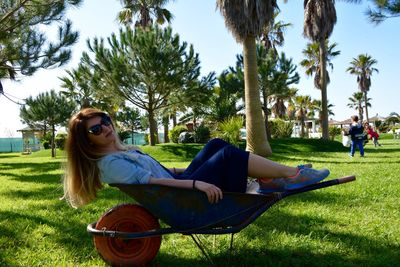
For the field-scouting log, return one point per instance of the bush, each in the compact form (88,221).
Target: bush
(60,140)
(46,140)
(175,132)
(186,137)
(333,131)
(46,144)
(229,130)
(280,128)
(146,138)
(202,134)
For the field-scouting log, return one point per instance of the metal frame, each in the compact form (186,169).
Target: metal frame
(217,227)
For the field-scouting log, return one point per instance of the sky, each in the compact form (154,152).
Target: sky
(198,22)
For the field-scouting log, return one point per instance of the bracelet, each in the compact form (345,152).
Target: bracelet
(194,183)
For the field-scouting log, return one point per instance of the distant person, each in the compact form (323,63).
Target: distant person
(373,135)
(356,132)
(96,156)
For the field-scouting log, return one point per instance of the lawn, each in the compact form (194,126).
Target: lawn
(354,224)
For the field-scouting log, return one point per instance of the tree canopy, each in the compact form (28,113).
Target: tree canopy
(383,10)
(24,47)
(145,67)
(49,109)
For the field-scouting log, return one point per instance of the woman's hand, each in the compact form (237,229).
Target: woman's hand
(214,193)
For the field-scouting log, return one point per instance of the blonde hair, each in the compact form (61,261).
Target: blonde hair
(81,179)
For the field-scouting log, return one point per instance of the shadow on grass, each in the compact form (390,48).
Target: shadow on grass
(8,155)
(23,225)
(185,151)
(31,167)
(288,145)
(69,231)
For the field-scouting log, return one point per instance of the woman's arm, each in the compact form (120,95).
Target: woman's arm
(214,194)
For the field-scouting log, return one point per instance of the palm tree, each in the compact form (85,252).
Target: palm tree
(362,67)
(78,87)
(290,97)
(273,33)
(317,106)
(246,20)
(319,20)
(356,103)
(312,61)
(303,106)
(145,10)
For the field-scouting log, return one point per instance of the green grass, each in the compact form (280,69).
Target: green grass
(354,224)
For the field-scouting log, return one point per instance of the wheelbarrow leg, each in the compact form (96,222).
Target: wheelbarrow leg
(198,243)
(231,246)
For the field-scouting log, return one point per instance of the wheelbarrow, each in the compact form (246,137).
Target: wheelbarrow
(130,234)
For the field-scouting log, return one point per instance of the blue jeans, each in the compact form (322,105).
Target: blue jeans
(358,143)
(221,164)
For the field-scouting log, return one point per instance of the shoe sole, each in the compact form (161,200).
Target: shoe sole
(306,183)
(268,191)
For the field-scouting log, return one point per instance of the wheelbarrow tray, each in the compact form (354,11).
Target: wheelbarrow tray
(188,211)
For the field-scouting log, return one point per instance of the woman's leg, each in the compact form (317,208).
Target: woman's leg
(212,147)
(260,167)
(229,167)
(226,168)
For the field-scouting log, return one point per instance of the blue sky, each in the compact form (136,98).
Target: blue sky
(199,23)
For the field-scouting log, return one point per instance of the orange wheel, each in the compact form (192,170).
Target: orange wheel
(127,218)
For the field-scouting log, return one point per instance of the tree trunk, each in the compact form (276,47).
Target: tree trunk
(166,128)
(255,128)
(265,109)
(324,93)
(366,106)
(153,128)
(174,120)
(53,147)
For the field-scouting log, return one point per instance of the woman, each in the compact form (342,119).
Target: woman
(96,155)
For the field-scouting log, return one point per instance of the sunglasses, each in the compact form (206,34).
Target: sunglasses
(98,129)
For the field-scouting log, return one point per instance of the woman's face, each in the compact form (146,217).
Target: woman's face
(100,131)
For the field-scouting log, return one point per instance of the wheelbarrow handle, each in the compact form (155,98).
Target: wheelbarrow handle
(346,179)
(319,185)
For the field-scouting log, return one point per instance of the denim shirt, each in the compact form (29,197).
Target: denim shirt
(130,167)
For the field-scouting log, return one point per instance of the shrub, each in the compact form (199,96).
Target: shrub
(202,134)
(46,140)
(229,130)
(333,131)
(186,137)
(280,128)
(146,138)
(175,132)
(46,144)
(60,140)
